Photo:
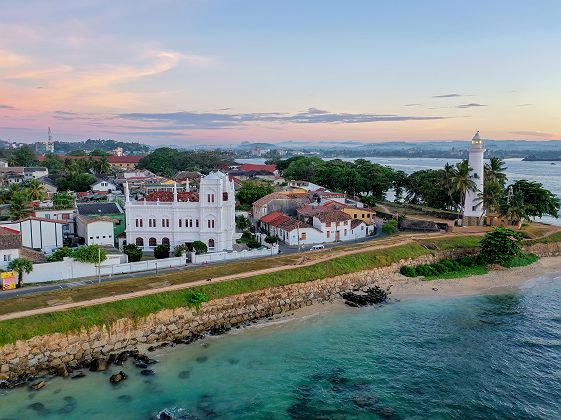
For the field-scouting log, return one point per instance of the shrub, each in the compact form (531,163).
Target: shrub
(161,251)
(180,249)
(200,247)
(389,227)
(252,243)
(92,254)
(271,239)
(500,246)
(408,271)
(133,252)
(195,299)
(59,254)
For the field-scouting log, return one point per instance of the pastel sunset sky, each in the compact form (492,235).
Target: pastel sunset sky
(223,71)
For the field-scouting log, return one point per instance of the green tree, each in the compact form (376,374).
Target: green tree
(60,254)
(538,201)
(53,163)
(516,209)
(200,247)
(133,252)
(180,249)
(500,246)
(79,182)
(91,254)
(161,251)
(63,200)
(35,190)
(390,227)
(20,266)
(252,191)
(494,172)
(242,223)
(271,239)
(20,206)
(462,182)
(24,156)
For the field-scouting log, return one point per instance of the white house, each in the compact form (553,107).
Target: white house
(103,186)
(37,233)
(98,230)
(175,218)
(10,243)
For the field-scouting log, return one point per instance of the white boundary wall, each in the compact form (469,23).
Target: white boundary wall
(68,269)
(233,255)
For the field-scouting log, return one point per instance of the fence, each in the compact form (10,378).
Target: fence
(233,255)
(69,269)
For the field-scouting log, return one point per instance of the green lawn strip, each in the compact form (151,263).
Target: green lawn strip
(554,237)
(522,260)
(135,308)
(456,242)
(476,270)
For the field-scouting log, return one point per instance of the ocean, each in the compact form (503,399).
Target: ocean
(546,173)
(490,356)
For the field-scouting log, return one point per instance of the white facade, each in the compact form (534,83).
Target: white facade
(473,206)
(209,219)
(103,186)
(7,255)
(95,231)
(46,235)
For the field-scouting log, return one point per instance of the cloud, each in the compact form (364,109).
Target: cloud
(448,95)
(7,107)
(208,120)
(530,133)
(413,105)
(525,105)
(471,105)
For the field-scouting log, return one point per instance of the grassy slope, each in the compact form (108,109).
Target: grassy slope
(465,272)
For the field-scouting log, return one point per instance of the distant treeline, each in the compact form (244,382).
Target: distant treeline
(166,161)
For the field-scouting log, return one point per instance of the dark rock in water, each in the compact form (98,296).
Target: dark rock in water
(205,345)
(66,409)
(365,401)
(151,349)
(386,412)
(141,358)
(184,374)
(38,385)
(70,400)
(112,358)
(151,361)
(164,416)
(122,357)
(125,398)
(57,391)
(371,296)
(219,330)
(233,361)
(78,375)
(141,365)
(201,359)
(205,408)
(147,372)
(118,377)
(98,365)
(39,408)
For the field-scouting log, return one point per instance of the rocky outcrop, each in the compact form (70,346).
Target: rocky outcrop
(115,343)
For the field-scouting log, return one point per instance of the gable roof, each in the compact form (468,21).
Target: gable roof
(87,220)
(333,216)
(9,238)
(271,217)
(90,209)
(268,198)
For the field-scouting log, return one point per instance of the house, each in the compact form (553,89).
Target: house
(65,215)
(104,210)
(124,162)
(279,201)
(184,178)
(10,244)
(95,230)
(180,217)
(35,172)
(305,186)
(261,168)
(290,230)
(19,174)
(38,233)
(3,163)
(102,185)
(360,213)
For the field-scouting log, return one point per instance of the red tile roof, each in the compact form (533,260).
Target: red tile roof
(124,159)
(333,216)
(276,220)
(256,167)
(167,196)
(271,216)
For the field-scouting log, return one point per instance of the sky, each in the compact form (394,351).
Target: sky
(224,71)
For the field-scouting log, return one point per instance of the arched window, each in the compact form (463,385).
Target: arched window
(139,242)
(165,241)
(211,243)
(152,242)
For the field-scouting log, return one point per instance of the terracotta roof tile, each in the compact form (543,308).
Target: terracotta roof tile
(167,196)
(333,216)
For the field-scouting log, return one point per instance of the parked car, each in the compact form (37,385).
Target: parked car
(316,247)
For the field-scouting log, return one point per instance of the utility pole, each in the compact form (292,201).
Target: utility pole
(298,233)
(98,265)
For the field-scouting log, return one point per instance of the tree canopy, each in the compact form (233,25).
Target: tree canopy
(166,161)
(252,191)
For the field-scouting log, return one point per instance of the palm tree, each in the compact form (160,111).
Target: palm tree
(494,171)
(463,183)
(20,265)
(19,206)
(447,184)
(35,190)
(492,198)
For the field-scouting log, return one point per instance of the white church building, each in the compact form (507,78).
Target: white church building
(473,205)
(180,217)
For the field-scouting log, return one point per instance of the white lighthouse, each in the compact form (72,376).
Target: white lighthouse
(473,206)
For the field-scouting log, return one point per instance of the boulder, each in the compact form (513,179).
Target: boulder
(39,385)
(98,365)
(118,377)
(147,372)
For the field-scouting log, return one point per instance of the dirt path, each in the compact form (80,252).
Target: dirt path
(307,260)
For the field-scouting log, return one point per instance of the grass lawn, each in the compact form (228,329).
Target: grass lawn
(554,237)
(465,272)
(522,260)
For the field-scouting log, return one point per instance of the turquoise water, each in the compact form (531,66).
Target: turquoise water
(477,357)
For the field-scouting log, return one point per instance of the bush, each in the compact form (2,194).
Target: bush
(133,252)
(271,239)
(180,249)
(389,227)
(195,299)
(408,271)
(92,254)
(200,247)
(59,254)
(252,243)
(500,246)
(161,251)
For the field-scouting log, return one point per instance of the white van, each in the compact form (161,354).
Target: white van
(316,247)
